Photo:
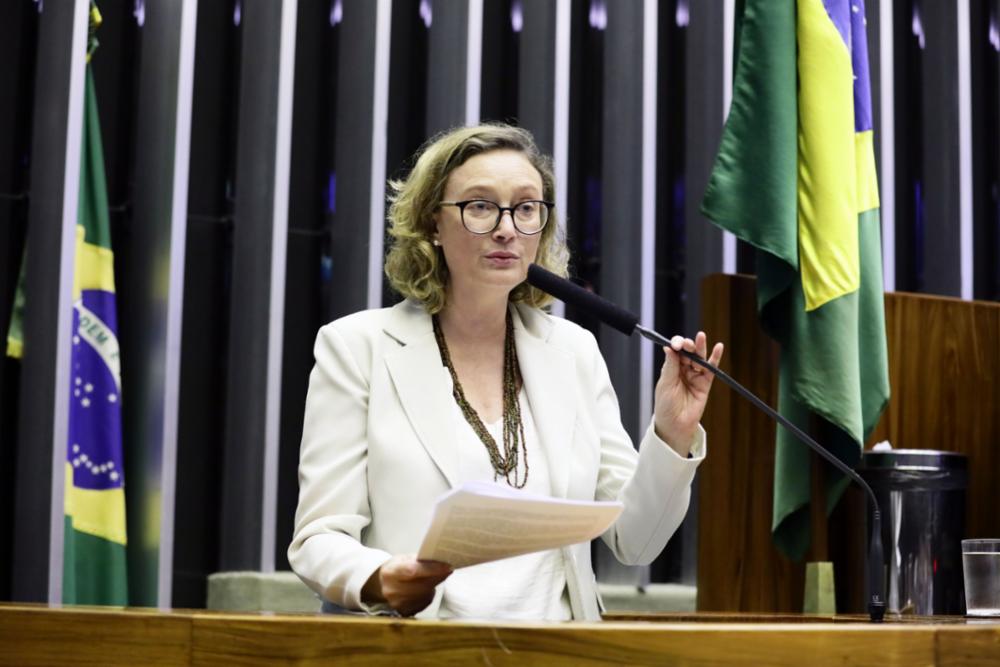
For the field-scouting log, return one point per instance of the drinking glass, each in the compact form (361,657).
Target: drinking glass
(981,570)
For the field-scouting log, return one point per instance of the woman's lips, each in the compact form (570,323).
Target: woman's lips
(502,258)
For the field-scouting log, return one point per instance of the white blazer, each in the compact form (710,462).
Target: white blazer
(377,449)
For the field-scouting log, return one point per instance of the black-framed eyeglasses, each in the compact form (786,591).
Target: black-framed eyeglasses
(482,216)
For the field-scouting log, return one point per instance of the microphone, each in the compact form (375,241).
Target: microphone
(626,322)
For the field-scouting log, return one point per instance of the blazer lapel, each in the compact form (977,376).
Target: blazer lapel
(548,371)
(420,382)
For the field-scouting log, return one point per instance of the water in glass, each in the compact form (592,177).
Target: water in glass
(982,583)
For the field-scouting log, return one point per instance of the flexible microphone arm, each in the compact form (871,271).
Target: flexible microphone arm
(876,603)
(627,323)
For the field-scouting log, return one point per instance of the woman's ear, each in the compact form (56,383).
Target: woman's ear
(436,234)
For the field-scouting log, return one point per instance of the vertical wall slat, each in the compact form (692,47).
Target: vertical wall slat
(175,300)
(984,53)
(357,159)
(704,113)
(279,256)
(536,73)
(884,96)
(647,243)
(380,121)
(941,178)
(473,60)
(447,66)
(44,418)
(154,253)
(560,138)
(258,274)
(621,211)
(621,222)
(728,30)
(963,46)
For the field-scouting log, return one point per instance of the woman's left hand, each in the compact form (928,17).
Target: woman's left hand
(682,391)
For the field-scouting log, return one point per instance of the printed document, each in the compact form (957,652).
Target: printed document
(484,521)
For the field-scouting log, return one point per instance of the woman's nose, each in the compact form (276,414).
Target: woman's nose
(506,227)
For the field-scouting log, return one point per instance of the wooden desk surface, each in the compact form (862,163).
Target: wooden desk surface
(41,635)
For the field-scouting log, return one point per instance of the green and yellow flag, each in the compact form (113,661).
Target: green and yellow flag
(795,177)
(94,552)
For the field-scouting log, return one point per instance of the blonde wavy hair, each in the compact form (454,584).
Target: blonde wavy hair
(415,267)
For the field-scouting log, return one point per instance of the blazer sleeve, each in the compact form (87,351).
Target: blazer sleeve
(326,550)
(654,484)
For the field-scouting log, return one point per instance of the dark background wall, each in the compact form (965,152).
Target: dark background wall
(327,239)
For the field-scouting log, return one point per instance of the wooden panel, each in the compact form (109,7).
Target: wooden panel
(969,649)
(944,368)
(364,642)
(37,635)
(738,566)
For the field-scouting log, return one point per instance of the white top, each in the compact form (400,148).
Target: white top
(528,587)
(378,449)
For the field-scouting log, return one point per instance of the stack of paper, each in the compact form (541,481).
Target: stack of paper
(483,521)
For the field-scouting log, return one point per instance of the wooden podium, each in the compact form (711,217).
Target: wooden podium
(38,635)
(944,370)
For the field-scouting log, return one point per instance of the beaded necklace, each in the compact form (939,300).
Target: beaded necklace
(504,464)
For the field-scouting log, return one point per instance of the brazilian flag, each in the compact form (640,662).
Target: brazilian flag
(94,551)
(795,178)
(94,547)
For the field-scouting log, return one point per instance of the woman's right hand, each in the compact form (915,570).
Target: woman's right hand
(405,583)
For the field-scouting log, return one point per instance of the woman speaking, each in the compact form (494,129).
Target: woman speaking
(468,379)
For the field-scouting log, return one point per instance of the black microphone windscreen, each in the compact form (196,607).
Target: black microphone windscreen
(604,310)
